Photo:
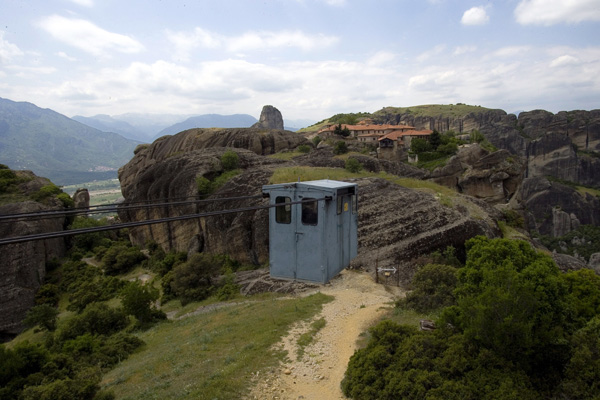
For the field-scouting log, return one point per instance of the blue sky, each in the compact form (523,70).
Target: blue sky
(309,58)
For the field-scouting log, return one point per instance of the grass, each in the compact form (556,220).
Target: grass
(291,174)
(307,338)
(212,355)
(434,110)
(286,155)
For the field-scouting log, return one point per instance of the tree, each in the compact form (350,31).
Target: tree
(433,286)
(340,148)
(511,300)
(353,165)
(43,315)
(419,145)
(435,139)
(138,301)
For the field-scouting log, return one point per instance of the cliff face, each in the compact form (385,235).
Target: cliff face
(168,169)
(23,265)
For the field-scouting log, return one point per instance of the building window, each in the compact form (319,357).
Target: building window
(310,212)
(354,204)
(283,213)
(340,200)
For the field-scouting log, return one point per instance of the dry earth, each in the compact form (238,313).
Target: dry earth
(358,302)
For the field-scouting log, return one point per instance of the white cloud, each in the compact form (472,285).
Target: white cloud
(464,50)
(563,61)
(84,3)
(426,55)
(511,51)
(64,55)
(186,42)
(8,51)
(550,12)
(88,37)
(475,16)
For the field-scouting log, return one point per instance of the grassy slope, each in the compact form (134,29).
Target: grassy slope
(211,355)
(429,110)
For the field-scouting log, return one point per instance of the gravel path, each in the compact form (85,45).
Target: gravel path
(358,302)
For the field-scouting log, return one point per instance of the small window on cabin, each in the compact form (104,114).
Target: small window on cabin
(283,213)
(310,212)
(354,204)
(340,201)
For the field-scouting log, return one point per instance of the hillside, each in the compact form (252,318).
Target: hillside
(57,147)
(106,123)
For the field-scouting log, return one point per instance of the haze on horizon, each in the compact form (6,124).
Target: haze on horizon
(309,58)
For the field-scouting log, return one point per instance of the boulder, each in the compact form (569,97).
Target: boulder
(81,198)
(270,118)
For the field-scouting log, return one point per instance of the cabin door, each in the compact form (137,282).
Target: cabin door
(309,225)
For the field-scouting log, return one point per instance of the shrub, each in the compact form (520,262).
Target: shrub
(45,192)
(228,289)
(66,200)
(433,287)
(138,301)
(230,160)
(89,241)
(121,258)
(205,186)
(192,281)
(43,315)
(48,293)
(419,145)
(304,148)
(353,165)
(96,319)
(340,148)
(316,140)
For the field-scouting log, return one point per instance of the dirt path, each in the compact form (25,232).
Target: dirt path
(358,302)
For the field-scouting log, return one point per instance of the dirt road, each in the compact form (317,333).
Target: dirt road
(358,302)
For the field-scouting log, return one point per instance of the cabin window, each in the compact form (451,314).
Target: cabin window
(310,212)
(283,213)
(354,204)
(340,201)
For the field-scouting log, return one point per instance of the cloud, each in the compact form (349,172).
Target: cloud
(84,3)
(563,61)
(426,55)
(186,42)
(475,16)
(550,12)
(88,37)
(8,51)
(464,50)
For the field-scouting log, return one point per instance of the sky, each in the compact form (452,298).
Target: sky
(309,58)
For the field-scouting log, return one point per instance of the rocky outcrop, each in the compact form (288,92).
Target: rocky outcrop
(168,169)
(565,145)
(493,177)
(552,208)
(270,118)
(23,265)
(397,225)
(81,198)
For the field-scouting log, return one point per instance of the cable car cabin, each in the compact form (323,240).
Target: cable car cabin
(312,230)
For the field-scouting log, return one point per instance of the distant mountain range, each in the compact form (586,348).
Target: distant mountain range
(57,147)
(149,127)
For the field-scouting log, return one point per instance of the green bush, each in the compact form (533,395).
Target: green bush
(432,288)
(304,148)
(121,258)
(230,160)
(43,315)
(353,165)
(88,241)
(96,319)
(419,145)
(316,140)
(228,288)
(138,300)
(46,192)
(340,148)
(48,293)
(66,200)
(192,280)
(204,186)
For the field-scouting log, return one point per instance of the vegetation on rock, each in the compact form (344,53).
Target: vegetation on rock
(518,329)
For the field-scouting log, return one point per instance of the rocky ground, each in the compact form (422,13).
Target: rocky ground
(358,303)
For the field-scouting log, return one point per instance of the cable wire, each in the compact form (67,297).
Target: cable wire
(72,232)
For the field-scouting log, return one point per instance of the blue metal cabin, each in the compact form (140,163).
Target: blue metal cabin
(313,240)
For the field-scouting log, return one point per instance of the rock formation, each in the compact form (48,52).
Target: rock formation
(493,177)
(23,265)
(270,118)
(81,198)
(396,224)
(552,208)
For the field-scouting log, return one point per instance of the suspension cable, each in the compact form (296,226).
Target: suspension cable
(72,232)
